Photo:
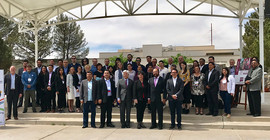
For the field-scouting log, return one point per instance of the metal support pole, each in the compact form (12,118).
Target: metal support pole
(241,37)
(261,37)
(36,45)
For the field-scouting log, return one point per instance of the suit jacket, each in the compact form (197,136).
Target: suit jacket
(46,80)
(125,92)
(20,72)
(36,70)
(60,86)
(104,68)
(213,81)
(18,84)
(155,91)
(177,90)
(84,90)
(138,90)
(255,76)
(204,69)
(103,92)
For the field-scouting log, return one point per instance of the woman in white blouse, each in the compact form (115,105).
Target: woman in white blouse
(131,72)
(227,88)
(70,89)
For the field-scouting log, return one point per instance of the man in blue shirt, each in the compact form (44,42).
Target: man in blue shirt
(29,82)
(74,63)
(94,66)
(88,97)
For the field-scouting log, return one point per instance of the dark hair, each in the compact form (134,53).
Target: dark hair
(174,69)
(25,60)
(227,75)
(149,56)
(107,71)
(129,64)
(185,70)
(202,59)
(138,58)
(212,64)
(58,71)
(196,62)
(173,65)
(140,72)
(117,59)
(161,61)
(90,72)
(130,55)
(50,66)
(256,59)
(212,57)
(87,61)
(42,68)
(150,65)
(60,60)
(99,65)
(39,60)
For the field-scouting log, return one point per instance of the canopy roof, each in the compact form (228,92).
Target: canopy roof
(39,11)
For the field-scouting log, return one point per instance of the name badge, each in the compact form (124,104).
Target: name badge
(29,80)
(63,82)
(196,83)
(108,88)
(224,81)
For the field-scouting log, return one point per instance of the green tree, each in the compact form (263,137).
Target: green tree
(175,59)
(5,56)
(112,59)
(24,47)
(69,39)
(251,39)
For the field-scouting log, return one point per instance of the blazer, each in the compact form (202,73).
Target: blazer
(230,84)
(84,90)
(139,90)
(177,90)
(213,81)
(60,85)
(41,82)
(255,76)
(125,92)
(18,84)
(46,80)
(204,69)
(103,92)
(20,71)
(155,91)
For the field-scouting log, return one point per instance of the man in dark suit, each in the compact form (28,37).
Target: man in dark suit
(106,97)
(212,88)
(203,67)
(175,88)
(20,72)
(50,90)
(124,97)
(37,70)
(88,97)
(13,90)
(129,58)
(138,63)
(106,64)
(156,84)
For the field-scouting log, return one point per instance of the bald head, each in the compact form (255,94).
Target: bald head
(12,69)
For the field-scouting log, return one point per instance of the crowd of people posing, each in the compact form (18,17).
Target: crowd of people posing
(127,84)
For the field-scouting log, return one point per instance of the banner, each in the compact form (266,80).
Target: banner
(2,99)
(241,71)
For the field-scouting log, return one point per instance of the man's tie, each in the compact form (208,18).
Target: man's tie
(155,81)
(126,83)
(120,74)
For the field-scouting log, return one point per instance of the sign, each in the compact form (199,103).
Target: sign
(2,99)
(241,71)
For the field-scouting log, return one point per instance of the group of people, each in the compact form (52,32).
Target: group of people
(129,83)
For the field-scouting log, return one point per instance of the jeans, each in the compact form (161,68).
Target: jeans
(226,97)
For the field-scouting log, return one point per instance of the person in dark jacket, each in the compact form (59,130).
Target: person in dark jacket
(61,90)
(50,90)
(41,88)
(140,95)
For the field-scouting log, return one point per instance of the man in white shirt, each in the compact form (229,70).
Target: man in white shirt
(162,70)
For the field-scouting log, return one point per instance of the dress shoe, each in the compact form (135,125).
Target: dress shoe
(179,128)
(187,111)
(84,126)
(256,115)
(110,125)
(172,127)
(139,126)
(101,126)
(153,127)
(215,114)
(34,111)
(127,126)
(208,113)
(160,127)
(93,126)
(42,111)
(250,114)
(8,119)
(16,118)
(24,111)
(123,126)
(48,111)
(142,125)
(53,111)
